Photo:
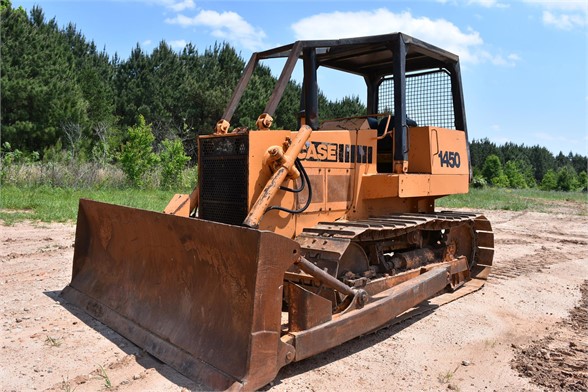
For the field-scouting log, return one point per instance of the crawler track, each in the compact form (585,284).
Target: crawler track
(331,239)
(327,243)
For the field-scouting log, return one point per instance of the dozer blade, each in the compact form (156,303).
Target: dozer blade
(203,297)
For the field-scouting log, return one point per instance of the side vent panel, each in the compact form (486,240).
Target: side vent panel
(224,173)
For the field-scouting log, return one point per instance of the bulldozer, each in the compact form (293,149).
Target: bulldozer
(296,241)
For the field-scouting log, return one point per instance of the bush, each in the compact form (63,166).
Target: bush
(567,180)
(513,172)
(71,174)
(56,154)
(479,182)
(137,156)
(10,158)
(492,168)
(549,181)
(501,181)
(173,160)
(583,181)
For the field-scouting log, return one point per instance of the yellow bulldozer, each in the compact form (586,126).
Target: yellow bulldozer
(294,242)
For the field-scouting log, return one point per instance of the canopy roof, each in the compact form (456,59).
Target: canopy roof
(368,56)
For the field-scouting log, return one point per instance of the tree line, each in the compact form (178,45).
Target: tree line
(518,166)
(62,95)
(56,85)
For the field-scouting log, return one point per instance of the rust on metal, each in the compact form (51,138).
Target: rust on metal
(207,285)
(384,307)
(182,204)
(323,276)
(264,122)
(222,127)
(306,309)
(201,296)
(273,185)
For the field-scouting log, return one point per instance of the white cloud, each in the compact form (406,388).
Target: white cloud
(181,5)
(510,60)
(228,26)
(468,45)
(482,3)
(147,42)
(559,143)
(563,21)
(561,5)
(563,15)
(175,5)
(178,43)
(544,136)
(489,3)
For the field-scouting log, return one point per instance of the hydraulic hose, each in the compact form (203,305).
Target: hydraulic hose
(305,179)
(302,182)
(273,185)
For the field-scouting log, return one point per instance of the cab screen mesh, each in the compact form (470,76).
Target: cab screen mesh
(429,100)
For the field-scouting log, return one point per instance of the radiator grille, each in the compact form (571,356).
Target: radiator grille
(224,179)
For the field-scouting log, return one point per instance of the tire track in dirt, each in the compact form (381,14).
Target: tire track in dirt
(531,242)
(534,262)
(557,237)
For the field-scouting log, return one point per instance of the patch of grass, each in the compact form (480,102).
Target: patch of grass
(53,342)
(53,204)
(66,386)
(444,378)
(518,200)
(49,204)
(102,373)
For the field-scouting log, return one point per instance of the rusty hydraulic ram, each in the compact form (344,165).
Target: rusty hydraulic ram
(273,185)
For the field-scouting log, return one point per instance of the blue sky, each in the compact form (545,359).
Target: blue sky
(524,63)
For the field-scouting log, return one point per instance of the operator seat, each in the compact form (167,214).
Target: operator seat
(385,144)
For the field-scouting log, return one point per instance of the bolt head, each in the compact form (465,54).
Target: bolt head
(289,356)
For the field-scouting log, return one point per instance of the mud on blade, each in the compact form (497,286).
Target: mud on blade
(203,297)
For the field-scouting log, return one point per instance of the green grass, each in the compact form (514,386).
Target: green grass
(53,342)
(48,204)
(445,377)
(519,200)
(102,373)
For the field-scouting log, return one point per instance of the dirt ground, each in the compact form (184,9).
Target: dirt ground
(526,330)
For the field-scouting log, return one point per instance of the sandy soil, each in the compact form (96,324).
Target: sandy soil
(526,330)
